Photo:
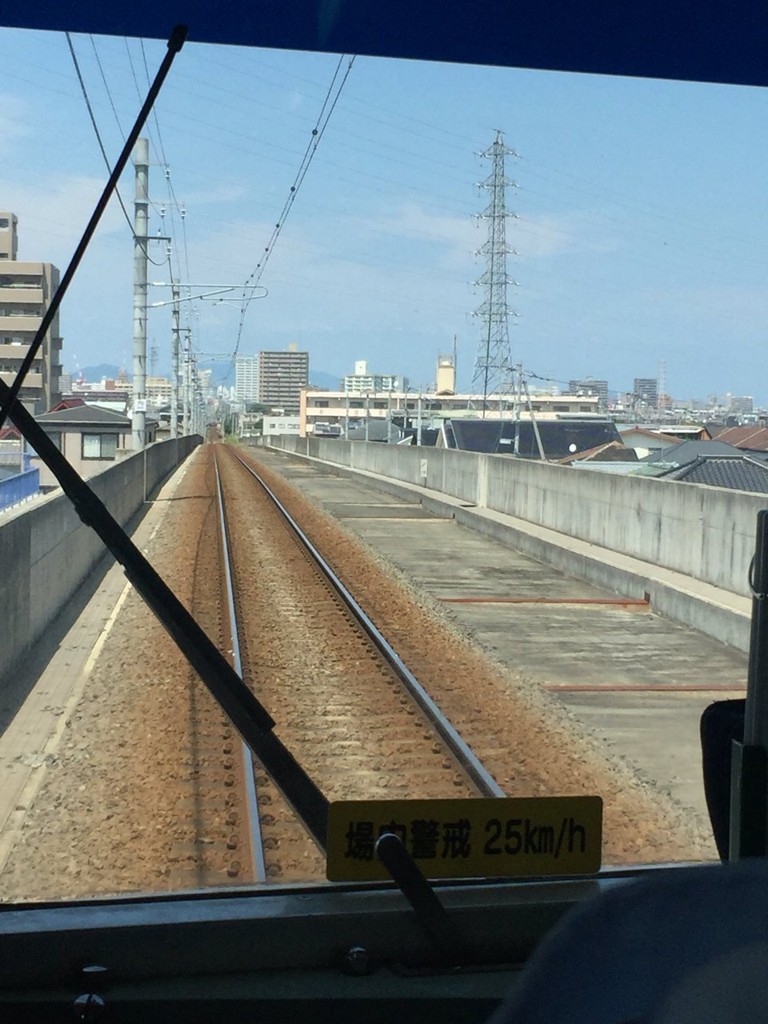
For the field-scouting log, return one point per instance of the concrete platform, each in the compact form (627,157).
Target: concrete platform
(636,680)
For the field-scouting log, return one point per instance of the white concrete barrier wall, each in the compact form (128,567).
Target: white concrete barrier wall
(707,533)
(704,532)
(46,553)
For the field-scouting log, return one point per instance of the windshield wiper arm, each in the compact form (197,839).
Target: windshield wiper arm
(249,717)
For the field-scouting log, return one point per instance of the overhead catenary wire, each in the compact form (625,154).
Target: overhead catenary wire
(173,202)
(329,105)
(106,86)
(101,144)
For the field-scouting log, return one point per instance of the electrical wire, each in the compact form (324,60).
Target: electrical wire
(101,146)
(329,105)
(106,87)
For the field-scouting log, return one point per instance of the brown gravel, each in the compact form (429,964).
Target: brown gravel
(522,734)
(119,808)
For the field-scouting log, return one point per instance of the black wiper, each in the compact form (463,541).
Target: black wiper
(249,717)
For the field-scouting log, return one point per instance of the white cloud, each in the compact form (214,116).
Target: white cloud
(54,213)
(549,235)
(14,124)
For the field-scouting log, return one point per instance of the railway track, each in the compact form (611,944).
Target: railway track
(344,701)
(149,792)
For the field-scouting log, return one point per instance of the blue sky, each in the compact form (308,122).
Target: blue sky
(641,212)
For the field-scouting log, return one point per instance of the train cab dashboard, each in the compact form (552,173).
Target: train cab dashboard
(679,944)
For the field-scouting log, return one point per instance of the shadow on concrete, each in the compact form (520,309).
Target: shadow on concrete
(22,677)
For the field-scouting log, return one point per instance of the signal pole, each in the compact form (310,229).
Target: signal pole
(186,374)
(493,369)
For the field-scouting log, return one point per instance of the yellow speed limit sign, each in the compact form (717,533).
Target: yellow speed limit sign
(494,837)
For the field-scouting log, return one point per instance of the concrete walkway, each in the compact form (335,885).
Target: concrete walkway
(32,732)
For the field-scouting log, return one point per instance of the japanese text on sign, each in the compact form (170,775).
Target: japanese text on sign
(462,838)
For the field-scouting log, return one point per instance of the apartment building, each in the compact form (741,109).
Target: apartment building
(282,375)
(361,381)
(247,378)
(590,386)
(26,289)
(321,410)
(646,390)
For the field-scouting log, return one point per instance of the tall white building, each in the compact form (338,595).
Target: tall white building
(361,381)
(247,379)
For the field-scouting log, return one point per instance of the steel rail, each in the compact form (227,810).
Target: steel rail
(468,760)
(255,839)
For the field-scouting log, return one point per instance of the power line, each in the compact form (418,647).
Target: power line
(106,87)
(329,105)
(101,144)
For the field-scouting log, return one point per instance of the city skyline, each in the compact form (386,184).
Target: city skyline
(640,210)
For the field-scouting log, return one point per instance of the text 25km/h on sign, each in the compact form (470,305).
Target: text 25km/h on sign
(487,837)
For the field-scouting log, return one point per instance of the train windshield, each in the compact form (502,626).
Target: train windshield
(477,336)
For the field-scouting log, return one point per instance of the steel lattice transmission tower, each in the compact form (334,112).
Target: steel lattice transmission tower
(493,365)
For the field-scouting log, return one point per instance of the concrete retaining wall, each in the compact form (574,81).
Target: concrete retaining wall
(707,533)
(46,553)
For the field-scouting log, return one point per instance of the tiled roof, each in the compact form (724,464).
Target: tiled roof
(86,414)
(685,452)
(738,472)
(613,451)
(752,438)
(68,403)
(654,435)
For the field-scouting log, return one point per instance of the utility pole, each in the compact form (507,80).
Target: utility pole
(175,361)
(189,374)
(492,365)
(140,242)
(524,386)
(174,303)
(518,403)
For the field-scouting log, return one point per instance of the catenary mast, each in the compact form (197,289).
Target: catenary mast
(493,364)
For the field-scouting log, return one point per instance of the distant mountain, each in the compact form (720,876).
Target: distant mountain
(325,381)
(223,373)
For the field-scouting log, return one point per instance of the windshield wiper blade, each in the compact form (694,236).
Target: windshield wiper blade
(247,714)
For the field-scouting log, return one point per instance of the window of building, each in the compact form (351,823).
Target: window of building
(3,222)
(379,405)
(585,408)
(355,404)
(320,403)
(561,408)
(99,446)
